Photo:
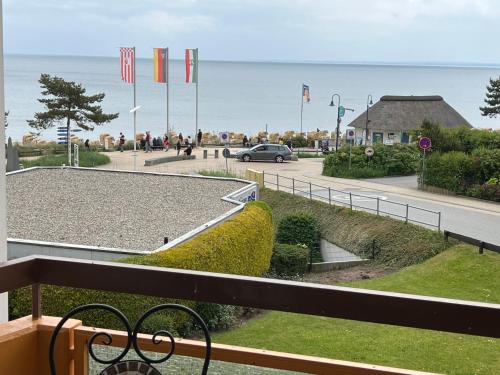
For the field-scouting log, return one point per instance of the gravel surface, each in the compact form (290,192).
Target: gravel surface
(111,209)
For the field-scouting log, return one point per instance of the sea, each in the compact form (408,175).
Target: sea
(244,97)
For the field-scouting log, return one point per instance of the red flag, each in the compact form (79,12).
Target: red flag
(127,64)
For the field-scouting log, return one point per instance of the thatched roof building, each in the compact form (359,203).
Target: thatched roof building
(396,115)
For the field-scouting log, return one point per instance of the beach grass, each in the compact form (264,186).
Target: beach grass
(218,173)
(87,159)
(459,272)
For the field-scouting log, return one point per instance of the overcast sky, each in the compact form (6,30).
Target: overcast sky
(431,31)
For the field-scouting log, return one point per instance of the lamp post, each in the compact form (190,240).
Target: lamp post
(369,102)
(338,120)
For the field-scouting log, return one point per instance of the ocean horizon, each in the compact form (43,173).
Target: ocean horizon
(241,96)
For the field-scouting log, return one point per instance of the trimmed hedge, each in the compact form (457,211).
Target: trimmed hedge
(242,245)
(396,160)
(300,228)
(474,174)
(400,244)
(289,261)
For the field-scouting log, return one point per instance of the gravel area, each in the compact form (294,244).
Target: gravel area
(111,209)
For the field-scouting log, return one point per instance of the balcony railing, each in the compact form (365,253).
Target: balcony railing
(437,314)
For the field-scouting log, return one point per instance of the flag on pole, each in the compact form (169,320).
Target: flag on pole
(160,57)
(127,62)
(191,61)
(305,93)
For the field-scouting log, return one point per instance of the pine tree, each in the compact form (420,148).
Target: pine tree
(67,101)
(492,99)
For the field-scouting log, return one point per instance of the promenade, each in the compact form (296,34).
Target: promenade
(467,216)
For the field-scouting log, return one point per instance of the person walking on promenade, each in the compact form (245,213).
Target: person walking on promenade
(181,138)
(200,136)
(189,141)
(178,146)
(245,141)
(148,142)
(87,145)
(166,143)
(121,142)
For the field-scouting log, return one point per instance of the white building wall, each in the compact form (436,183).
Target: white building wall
(4,311)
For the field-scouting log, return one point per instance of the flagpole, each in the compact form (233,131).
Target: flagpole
(168,90)
(301,108)
(197,76)
(135,118)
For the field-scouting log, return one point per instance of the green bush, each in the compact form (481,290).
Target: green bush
(464,173)
(396,160)
(289,261)
(300,228)
(87,159)
(242,245)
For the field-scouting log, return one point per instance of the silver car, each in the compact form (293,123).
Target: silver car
(265,152)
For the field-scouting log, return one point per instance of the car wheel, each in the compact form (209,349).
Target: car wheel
(246,157)
(279,159)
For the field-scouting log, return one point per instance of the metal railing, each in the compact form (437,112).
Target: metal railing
(378,205)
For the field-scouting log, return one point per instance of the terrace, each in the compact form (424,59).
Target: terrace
(24,342)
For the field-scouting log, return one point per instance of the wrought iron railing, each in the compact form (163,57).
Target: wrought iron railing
(380,206)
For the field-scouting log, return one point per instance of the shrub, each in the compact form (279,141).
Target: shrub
(87,159)
(242,245)
(300,228)
(289,261)
(396,160)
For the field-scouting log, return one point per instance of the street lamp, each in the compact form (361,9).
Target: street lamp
(338,120)
(369,102)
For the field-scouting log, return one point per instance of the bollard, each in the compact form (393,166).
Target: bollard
(205,154)
(165,240)
(216,154)
(378,204)
(329,196)
(439,221)
(310,191)
(293,186)
(350,200)
(406,218)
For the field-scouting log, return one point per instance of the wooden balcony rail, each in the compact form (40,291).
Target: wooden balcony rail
(398,309)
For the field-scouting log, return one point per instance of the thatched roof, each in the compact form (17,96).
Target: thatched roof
(408,112)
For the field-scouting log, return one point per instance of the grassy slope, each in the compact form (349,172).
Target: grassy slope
(401,244)
(457,273)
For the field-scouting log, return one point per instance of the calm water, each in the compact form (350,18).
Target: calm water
(239,96)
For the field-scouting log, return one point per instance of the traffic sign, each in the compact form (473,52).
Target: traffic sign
(226,153)
(76,130)
(224,137)
(62,143)
(424,143)
(341,111)
(350,134)
(369,151)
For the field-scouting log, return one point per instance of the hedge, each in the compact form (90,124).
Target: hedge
(300,228)
(400,244)
(396,160)
(474,174)
(242,245)
(289,261)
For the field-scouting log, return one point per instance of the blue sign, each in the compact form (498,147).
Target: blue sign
(76,130)
(62,143)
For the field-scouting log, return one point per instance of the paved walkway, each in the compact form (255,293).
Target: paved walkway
(332,253)
(468,216)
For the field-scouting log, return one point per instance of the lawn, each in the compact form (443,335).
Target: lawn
(87,159)
(459,272)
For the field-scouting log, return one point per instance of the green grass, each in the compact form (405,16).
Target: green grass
(400,244)
(218,173)
(358,172)
(459,272)
(305,155)
(87,159)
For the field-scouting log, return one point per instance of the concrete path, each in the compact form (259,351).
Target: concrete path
(467,216)
(332,253)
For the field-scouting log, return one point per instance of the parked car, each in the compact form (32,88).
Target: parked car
(265,152)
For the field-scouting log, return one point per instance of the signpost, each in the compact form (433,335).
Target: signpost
(350,135)
(369,151)
(224,138)
(76,156)
(341,111)
(424,143)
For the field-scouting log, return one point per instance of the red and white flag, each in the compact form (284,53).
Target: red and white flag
(127,64)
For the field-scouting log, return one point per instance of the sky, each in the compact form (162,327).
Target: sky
(387,31)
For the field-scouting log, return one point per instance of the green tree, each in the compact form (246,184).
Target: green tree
(67,101)
(492,109)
